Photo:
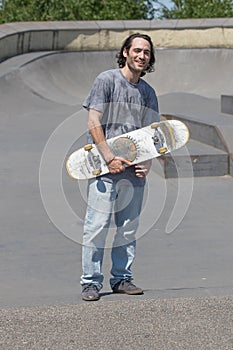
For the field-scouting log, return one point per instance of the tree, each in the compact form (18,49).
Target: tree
(49,10)
(197,9)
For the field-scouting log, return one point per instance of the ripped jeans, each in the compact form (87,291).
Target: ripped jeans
(124,201)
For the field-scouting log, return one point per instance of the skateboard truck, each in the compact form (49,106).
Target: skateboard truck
(93,160)
(155,139)
(158,139)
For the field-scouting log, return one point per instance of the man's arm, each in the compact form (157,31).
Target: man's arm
(115,164)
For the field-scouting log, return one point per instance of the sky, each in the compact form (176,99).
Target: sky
(167,3)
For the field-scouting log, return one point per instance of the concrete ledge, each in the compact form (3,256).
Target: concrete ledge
(202,165)
(227,132)
(24,37)
(217,162)
(227,104)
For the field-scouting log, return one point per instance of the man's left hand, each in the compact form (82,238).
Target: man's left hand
(142,169)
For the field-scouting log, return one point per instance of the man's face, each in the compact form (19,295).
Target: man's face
(138,57)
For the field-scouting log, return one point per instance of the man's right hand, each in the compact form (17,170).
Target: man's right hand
(116,166)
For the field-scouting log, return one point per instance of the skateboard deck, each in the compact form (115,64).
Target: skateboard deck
(136,146)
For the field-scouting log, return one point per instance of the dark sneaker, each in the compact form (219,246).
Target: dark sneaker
(90,292)
(126,286)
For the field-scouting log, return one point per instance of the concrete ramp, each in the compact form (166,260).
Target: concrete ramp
(204,72)
(65,77)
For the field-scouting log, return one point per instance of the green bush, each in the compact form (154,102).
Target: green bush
(57,10)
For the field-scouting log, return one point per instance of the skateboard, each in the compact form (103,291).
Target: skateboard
(136,146)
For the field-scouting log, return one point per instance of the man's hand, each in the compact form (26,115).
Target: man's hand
(142,169)
(117,165)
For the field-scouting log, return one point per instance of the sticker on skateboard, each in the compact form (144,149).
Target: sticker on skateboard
(136,146)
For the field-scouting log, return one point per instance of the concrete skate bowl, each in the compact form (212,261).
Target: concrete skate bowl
(66,77)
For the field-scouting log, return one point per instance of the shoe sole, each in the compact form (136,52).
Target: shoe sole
(129,293)
(91,299)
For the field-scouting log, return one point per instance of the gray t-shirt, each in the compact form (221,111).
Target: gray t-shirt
(125,107)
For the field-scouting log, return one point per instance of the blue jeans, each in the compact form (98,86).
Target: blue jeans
(104,199)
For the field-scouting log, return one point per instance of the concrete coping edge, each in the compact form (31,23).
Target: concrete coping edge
(202,23)
(22,37)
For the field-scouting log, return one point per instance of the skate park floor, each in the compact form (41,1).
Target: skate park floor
(185,269)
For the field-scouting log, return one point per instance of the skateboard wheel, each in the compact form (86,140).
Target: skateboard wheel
(96,172)
(163,150)
(88,147)
(154,125)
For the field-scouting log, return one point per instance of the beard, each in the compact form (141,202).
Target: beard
(136,66)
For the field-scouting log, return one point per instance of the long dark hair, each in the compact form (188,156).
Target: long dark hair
(127,45)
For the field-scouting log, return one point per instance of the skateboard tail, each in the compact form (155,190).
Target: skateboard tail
(176,134)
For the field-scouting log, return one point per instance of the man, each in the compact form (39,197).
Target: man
(119,102)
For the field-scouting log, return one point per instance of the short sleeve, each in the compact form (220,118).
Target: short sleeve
(98,97)
(151,113)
